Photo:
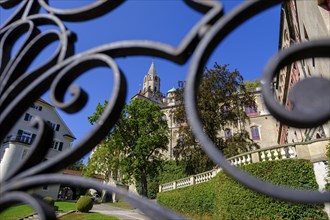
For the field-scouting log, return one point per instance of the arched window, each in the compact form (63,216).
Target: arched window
(255,133)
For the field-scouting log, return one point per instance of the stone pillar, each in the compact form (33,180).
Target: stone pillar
(320,172)
(255,157)
(160,188)
(192,180)
(214,172)
(174,185)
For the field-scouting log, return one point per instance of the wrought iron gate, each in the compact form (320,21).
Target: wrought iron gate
(18,90)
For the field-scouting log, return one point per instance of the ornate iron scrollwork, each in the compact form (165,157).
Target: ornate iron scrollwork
(19,89)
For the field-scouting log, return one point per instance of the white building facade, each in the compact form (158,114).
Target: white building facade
(17,145)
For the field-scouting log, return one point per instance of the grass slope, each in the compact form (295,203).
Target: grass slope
(224,198)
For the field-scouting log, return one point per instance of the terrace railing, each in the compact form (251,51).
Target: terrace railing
(299,150)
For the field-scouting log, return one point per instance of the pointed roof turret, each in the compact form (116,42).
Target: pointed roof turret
(171,90)
(152,69)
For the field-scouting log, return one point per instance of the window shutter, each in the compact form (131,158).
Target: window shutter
(60,147)
(19,133)
(33,136)
(57,127)
(26,118)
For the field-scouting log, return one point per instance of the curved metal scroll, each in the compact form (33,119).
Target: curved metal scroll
(20,88)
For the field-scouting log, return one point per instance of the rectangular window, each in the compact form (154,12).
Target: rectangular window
(28,117)
(45,188)
(37,107)
(57,145)
(54,126)
(25,137)
(251,110)
(255,133)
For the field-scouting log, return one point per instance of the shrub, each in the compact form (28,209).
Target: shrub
(49,200)
(84,204)
(224,198)
(171,171)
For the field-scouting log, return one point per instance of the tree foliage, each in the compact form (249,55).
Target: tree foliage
(104,161)
(221,98)
(78,165)
(252,85)
(134,145)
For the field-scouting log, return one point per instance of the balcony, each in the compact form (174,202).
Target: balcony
(19,139)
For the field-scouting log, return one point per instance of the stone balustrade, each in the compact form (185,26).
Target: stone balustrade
(314,151)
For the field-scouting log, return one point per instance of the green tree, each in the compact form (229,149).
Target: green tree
(143,134)
(221,98)
(78,165)
(134,145)
(105,160)
(252,85)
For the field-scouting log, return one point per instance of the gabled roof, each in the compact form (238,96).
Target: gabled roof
(60,118)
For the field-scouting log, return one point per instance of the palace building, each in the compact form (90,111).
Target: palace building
(262,126)
(302,21)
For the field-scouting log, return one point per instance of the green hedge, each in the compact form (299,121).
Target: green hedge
(84,204)
(224,198)
(49,200)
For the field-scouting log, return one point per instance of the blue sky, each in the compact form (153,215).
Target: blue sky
(247,49)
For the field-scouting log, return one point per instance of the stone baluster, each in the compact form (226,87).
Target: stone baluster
(248,159)
(276,154)
(269,155)
(283,154)
(292,152)
(239,161)
(263,156)
(243,161)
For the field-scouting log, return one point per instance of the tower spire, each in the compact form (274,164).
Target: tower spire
(152,70)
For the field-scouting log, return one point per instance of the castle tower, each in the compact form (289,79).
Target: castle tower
(151,85)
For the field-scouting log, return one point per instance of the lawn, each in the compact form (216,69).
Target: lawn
(87,216)
(64,206)
(121,204)
(16,212)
